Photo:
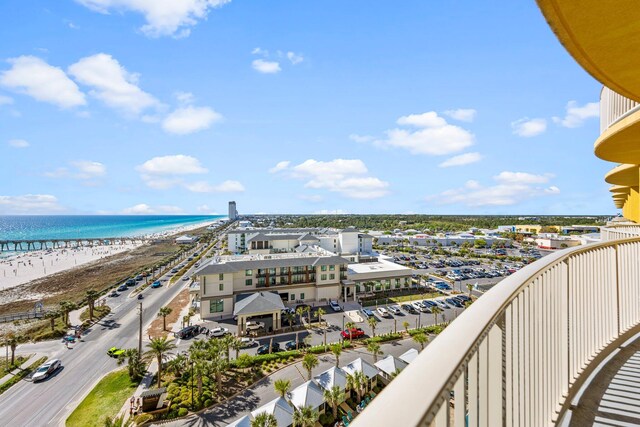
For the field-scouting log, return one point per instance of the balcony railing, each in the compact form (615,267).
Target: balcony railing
(619,231)
(519,354)
(614,107)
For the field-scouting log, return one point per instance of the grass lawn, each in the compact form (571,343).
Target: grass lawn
(105,400)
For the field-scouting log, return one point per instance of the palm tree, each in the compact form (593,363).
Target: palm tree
(135,366)
(374,349)
(436,311)
(282,387)
(164,312)
(336,349)
(227,342)
(92,296)
(305,417)
(321,313)
(406,326)
(217,362)
(236,345)
(334,397)
(350,326)
(421,338)
(12,341)
(469,288)
(307,309)
(264,419)
(300,312)
(177,365)
(159,349)
(291,318)
(309,362)
(357,382)
(372,323)
(52,315)
(66,307)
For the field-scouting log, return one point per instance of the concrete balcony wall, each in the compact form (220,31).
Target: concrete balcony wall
(519,354)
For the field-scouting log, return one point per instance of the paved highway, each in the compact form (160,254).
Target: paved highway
(49,403)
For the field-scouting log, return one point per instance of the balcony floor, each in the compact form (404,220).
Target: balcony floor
(613,397)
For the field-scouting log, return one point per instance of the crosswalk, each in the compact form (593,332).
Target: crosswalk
(620,404)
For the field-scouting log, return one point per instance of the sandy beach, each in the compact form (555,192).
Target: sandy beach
(25,267)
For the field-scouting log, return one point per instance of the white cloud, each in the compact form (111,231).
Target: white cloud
(18,143)
(186,120)
(280,166)
(139,209)
(41,81)
(185,98)
(225,187)
(510,188)
(461,160)
(434,137)
(462,114)
(266,67)
(179,164)
(5,100)
(29,204)
(112,83)
(346,177)
(80,169)
(260,51)
(164,17)
(294,58)
(206,210)
(576,115)
(361,138)
(529,127)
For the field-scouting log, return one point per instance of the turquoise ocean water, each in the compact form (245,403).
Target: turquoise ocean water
(93,226)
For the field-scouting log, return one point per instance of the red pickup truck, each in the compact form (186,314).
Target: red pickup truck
(355,333)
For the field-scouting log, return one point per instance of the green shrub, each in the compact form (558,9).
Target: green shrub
(326,419)
(182,412)
(208,403)
(143,418)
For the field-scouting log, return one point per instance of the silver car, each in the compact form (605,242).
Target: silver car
(46,370)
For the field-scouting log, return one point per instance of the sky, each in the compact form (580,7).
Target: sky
(178,106)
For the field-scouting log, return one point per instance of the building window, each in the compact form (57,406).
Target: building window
(248,282)
(302,295)
(222,286)
(323,268)
(293,297)
(397,283)
(248,272)
(332,268)
(323,277)
(216,306)
(221,276)
(261,281)
(332,276)
(283,270)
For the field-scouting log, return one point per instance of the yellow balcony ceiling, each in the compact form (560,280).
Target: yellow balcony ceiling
(619,197)
(619,189)
(618,204)
(621,141)
(623,175)
(603,36)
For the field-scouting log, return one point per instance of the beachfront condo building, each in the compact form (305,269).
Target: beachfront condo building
(558,342)
(233,212)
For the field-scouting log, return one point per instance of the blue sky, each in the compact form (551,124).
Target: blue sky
(122,106)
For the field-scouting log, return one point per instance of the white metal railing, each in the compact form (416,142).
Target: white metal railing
(517,355)
(614,107)
(619,231)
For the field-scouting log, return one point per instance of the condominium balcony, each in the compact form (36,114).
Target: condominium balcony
(601,36)
(619,139)
(524,353)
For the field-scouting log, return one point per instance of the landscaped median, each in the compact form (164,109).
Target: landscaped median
(23,373)
(105,400)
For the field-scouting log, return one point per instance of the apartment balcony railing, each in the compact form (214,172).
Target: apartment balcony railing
(519,355)
(619,231)
(614,107)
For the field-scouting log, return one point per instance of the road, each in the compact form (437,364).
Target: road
(49,403)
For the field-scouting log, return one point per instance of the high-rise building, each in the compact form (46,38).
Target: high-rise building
(556,343)
(233,212)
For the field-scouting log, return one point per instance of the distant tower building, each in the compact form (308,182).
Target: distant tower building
(233,213)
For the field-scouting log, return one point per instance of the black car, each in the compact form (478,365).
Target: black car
(130,282)
(188,332)
(291,345)
(454,302)
(264,349)
(408,308)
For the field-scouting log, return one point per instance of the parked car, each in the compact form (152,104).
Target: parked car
(188,332)
(156,284)
(185,278)
(288,310)
(115,352)
(140,296)
(46,370)
(122,288)
(218,332)
(383,312)
(394,309)
(429,303)
(174,270)
(114,294)
(454,303)
(417,305)
(367,312)
(139,277)
(130,282)
(246,342)
(352,333)
(335,306)
(463,297)
(409,308)
(254,326)
(441,303)
(264,349)
(291,345)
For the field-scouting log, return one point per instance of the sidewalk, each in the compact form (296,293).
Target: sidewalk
(145,385)
(28,362)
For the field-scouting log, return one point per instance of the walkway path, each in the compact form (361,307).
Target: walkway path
(263,392)
(24,365)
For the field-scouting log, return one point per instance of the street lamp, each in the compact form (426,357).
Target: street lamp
(343,322)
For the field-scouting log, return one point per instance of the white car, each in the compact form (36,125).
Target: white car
(218,332)
(46,369)
(417,305)
(254,326)
(335,306)
(441,303)
(394,309)
(247,342)
(383,312)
